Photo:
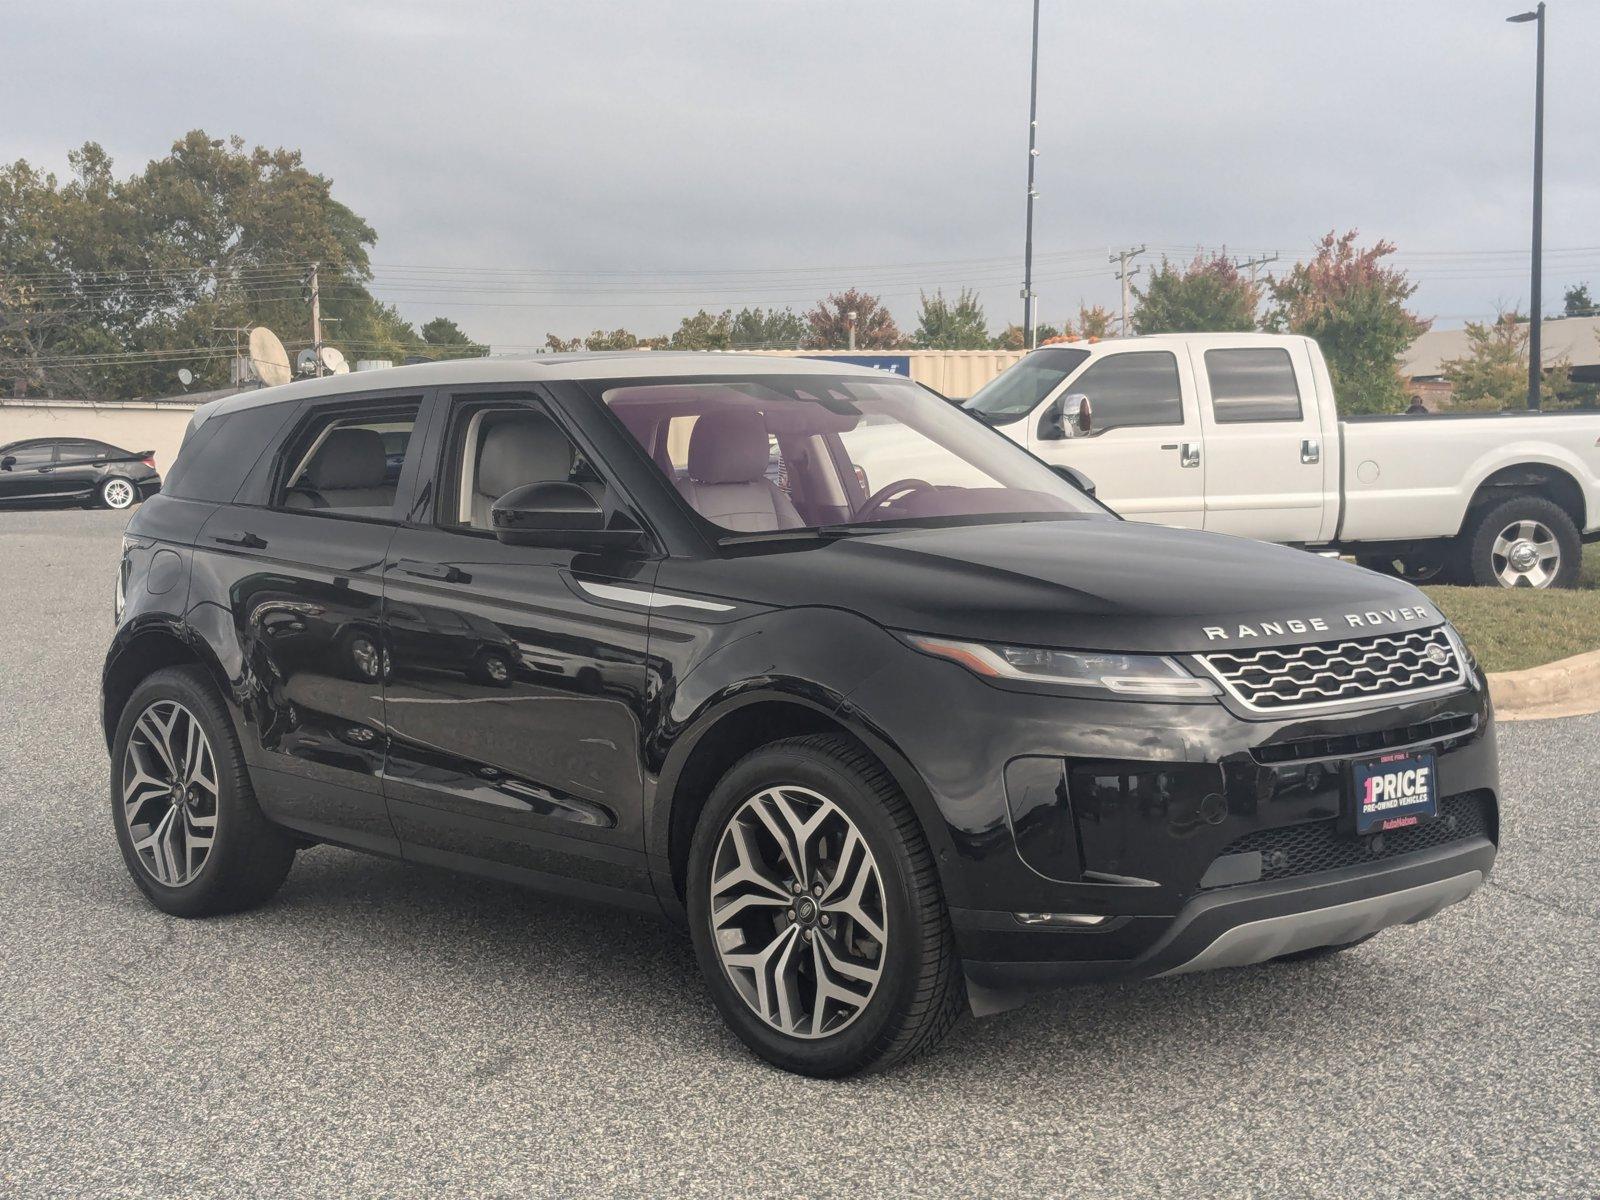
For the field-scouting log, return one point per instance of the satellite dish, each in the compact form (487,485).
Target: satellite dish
(268,357)
(333,361)
(305,363)
(185,376)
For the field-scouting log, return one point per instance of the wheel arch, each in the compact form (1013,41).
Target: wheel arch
(704,753)
(138,653)
(1549,480)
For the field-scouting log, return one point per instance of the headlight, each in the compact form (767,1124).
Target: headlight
(1125,674)
(1469,662)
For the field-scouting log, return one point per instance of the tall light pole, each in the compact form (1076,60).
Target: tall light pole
(1535,362)
(1033,155)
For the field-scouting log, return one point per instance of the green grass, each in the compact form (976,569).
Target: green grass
(1510,630)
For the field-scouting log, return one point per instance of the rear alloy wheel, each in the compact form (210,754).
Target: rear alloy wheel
(186,818)
(816,912)
(117,493)
(1526,542)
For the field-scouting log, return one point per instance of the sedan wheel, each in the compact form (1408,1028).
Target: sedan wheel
(117,494)
(797,912)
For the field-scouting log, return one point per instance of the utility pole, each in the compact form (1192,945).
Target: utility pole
(852,317)
(1254,264)
(1122,258)
(1028,332)
(316,318)
(1535,359)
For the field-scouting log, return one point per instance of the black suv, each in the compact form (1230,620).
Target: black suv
(898,720)
(77,470)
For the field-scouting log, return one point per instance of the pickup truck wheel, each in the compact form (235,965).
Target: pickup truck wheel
(1525,542)
(1436,564)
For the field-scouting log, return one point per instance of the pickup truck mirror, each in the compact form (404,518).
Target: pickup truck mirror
(555,514)
(1069,417)
(1075,477)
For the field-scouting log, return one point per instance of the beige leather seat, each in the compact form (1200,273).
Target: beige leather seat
(516,449)
(728,482)
(347,473)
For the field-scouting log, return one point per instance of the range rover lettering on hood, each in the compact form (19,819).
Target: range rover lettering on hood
(1355,620)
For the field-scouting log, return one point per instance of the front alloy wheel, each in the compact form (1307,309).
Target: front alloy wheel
(1526,554)
(797,912)
(117,494)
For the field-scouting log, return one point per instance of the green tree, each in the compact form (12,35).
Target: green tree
(1209,295)
(829,323)
(1493,373)
(768,329)
(951,325)
(703,331)
(1578,302)
(445,338)
(1355,308)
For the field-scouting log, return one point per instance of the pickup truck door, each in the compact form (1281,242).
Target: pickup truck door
(1143,449)
(1266,456)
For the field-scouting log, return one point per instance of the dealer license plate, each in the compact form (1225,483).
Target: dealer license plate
(1394,791)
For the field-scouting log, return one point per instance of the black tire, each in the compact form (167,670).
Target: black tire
(1435,563)
(116,493)
(492,669)
(1481,537)
(1318,952)
(921,994)
(250,856)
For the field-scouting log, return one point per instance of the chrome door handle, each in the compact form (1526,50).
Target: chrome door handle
(1189,454)
(1310,451)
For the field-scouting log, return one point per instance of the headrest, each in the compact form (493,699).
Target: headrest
(349,458)
(728,447)
(524,448)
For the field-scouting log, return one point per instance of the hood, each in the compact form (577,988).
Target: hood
(1084,584)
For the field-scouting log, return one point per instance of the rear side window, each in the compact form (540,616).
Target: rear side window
(1139,388)
(216,458)
(345,463)
(1252,385)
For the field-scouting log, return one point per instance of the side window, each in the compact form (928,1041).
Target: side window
(30,455)
(347,462)
(495,447)
(1133,389)
(217,456)
(1252,385)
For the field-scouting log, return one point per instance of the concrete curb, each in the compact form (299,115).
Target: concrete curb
(1569,687)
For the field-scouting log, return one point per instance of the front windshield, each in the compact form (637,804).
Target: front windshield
(770,453)
(1017,390)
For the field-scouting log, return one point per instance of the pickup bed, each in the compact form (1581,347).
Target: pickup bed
(1239,433)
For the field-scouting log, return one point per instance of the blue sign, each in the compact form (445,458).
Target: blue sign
(895,364)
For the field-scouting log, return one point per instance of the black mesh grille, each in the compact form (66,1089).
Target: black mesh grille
(1347,744)
(1322,846)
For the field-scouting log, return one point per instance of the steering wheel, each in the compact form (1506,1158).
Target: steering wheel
(883,495)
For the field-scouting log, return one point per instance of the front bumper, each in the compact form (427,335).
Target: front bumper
(1235,927)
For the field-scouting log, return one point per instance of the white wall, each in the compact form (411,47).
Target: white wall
(132,426)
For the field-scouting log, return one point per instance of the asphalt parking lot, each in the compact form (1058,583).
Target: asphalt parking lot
(385,1030)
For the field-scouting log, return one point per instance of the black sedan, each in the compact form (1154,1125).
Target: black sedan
(75,470)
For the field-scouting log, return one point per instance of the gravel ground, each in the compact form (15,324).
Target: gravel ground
(385,1030)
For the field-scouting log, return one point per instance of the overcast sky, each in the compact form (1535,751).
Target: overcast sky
(641,159)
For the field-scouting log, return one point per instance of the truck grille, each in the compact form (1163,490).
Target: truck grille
(1321,846)
(1333,674)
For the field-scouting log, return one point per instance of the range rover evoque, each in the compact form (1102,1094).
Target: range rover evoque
(899,721)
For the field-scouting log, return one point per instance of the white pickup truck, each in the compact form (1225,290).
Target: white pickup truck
(1238,433)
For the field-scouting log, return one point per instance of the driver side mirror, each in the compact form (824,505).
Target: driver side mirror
(1069,417)
(8,462)
(555,514)
(1075,477)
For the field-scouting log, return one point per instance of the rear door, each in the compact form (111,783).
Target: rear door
(517,681)
(299,558)
(78,465)
(26,470)
(1266,466)
(1143,451)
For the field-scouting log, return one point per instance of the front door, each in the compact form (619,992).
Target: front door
(515,689)
(1266,465)
(1143,448)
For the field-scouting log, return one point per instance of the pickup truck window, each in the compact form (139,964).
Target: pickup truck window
(1139,388)
(1017,392)
(1252,385)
